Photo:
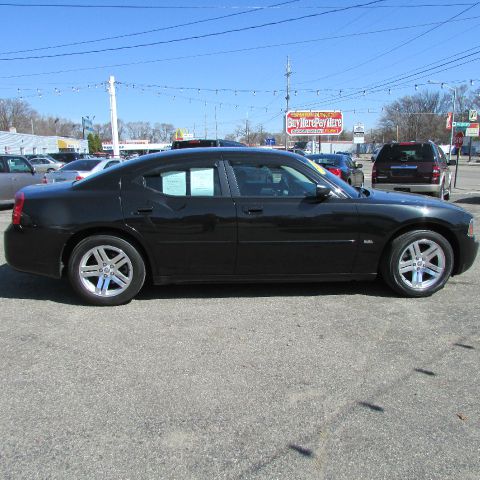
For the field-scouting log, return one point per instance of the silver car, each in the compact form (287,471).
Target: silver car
(45,164)
(15,173)
(79,169)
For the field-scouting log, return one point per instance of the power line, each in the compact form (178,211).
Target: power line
(396,47)
(193,37)
(206,7)
(154,30)
(223,52)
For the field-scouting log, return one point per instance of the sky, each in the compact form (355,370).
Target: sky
(208,66)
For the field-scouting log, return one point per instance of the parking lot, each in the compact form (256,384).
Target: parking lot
(325,381)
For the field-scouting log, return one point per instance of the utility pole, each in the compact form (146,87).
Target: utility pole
(287,98)
(205,125)
(216,124)
(113,116)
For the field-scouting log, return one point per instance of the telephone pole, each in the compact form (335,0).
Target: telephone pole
(113,116)
(287,98)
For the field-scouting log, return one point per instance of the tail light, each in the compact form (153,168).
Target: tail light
(335,171)
(374,174)
(436,175)
(17,208)
(78,177)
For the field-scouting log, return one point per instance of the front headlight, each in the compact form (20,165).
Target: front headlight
(470,232)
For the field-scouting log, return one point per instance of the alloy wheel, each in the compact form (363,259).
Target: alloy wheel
(422,264)
(105,271)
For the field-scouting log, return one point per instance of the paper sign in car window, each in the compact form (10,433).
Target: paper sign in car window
(318,167)
(174,183)
(201,182)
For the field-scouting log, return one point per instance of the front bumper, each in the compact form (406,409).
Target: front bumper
(468,249)
(408,187)
(35,250)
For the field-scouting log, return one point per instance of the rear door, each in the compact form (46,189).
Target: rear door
(185,214)
(405,163)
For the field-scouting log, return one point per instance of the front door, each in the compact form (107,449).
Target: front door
(185,214)
(282,228)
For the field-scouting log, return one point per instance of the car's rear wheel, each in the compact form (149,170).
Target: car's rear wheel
(106,270)
(441,193)
(418,263)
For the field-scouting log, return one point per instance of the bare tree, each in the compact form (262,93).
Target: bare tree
(16,113)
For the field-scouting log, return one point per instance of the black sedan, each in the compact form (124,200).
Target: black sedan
(232,215)
(341,165)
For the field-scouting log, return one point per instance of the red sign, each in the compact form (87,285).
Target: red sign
(314,123)
(458,139)
(449,121)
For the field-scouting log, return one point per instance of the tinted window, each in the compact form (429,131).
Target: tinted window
(415,153)
(336,160)
(259,180)
(18,165)
(111,164)
(81,165)
(181,182)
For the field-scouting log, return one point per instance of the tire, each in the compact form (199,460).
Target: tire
(100,282)
(447,193)
(418,278)
(441,193)
(50,170)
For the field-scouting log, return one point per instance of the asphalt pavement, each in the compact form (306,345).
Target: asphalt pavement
(328,381)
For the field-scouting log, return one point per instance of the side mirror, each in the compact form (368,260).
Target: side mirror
(358,165)
(322,192)
(452,162)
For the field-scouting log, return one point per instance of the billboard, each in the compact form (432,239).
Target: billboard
(314,123)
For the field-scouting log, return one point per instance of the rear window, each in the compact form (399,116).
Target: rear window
(193,144)
(81,165)
(415,153)
(326,159)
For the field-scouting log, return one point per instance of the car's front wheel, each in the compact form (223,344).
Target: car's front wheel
(106,270)
(418,263)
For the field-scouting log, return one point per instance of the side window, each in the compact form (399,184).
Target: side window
(111,164)
(260,180)
(441,154)
(18,165)
(182,182)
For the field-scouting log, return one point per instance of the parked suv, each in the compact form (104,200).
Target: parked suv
(205,143)
(67,157)
(413,167)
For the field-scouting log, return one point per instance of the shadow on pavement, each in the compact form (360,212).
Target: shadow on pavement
(469,200)
(19,285)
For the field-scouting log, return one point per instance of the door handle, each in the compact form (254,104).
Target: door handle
(144,211)
(252,210)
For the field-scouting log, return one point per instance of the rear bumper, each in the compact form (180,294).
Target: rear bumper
(35,250)
(408,187)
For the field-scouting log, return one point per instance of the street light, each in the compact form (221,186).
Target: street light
(454,98)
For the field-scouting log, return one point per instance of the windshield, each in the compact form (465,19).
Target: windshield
(81,165)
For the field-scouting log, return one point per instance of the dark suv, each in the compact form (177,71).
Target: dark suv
(413,167)
(67,157)
(205,143)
